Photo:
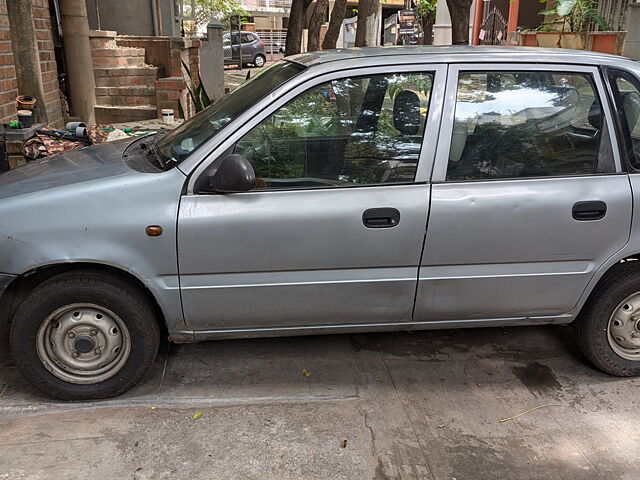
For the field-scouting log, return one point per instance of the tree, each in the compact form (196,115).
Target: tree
(315,25)
(206,9)
(335,23)
(425,11)
(368,23)
(459,13)
(297,17)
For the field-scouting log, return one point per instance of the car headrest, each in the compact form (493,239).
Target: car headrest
(406,112)
(631,108)
(595,115)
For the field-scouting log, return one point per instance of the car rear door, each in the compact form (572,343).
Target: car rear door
(333,234)
(528,196)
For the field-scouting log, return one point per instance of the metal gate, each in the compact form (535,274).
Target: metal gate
(494,29)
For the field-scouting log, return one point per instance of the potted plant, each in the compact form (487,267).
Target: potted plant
(570,20)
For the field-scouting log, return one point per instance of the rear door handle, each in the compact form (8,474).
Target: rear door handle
(381,217)
(591,210)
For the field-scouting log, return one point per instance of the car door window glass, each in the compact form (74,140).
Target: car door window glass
(527,124)
(626,92)
(353,131)
(247,38)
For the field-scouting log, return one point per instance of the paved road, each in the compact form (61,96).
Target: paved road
(233,76)
(423,405)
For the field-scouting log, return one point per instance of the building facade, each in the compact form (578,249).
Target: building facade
(46,25)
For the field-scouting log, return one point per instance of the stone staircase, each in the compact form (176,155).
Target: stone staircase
(125,84)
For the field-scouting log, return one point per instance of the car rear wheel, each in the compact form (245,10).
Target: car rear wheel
(608,331)
(259,61)
(84,336)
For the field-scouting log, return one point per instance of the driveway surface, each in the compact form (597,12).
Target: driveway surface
(422,405)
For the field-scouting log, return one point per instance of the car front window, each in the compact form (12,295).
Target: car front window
(177,145)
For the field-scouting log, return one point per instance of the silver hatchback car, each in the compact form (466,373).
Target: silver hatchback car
(401,188)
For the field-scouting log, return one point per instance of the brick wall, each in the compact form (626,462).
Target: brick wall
(42,21)
(8,84)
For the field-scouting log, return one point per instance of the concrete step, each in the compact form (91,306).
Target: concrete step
(126,100)
(102,38)
(125,76)
(124,59)
(119,114)
(102,42)
(118,52)
(134,95)
(128,91)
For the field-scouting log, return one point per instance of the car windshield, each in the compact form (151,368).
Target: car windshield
(176,145)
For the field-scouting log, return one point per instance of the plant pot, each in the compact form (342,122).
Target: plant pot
(527,39)
(25,117)
(25,102)
(606,42)
(572,40)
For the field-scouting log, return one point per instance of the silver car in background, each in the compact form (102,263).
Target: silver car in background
(373,189)
(243,48)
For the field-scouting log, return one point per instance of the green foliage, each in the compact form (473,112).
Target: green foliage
(425,8)
(220,9)
(197,92)
(577,14)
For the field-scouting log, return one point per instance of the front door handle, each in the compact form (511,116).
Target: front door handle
(381,217)
(591,210)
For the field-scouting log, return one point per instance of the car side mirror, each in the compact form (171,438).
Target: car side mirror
(235,174)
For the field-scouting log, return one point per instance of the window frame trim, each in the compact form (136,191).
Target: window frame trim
(441,163)
(625,145)
(240,126)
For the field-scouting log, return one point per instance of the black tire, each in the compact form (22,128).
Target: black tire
(121,297)
(593,323)
(259,60)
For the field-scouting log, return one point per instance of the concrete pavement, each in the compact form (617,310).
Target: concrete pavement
(423,405)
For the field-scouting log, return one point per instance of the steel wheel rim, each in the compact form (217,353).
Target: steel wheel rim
(623,329)
(259,61)
(83,343)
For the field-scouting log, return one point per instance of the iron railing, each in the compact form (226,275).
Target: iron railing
(614,12)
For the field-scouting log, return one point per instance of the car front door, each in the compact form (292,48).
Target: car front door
(528,195)
(333,233)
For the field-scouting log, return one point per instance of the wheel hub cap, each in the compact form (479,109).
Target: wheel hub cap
(623,331)
(83,343)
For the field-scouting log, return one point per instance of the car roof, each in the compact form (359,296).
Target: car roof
(475,53)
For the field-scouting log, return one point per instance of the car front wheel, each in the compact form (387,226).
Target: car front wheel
(84,336)
(608,330)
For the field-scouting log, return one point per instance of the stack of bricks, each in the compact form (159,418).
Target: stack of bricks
(12,144)
(14,153)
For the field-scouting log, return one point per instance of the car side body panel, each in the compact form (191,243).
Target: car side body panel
(511,248)
(101,219)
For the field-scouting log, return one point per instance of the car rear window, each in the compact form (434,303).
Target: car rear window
(512,124)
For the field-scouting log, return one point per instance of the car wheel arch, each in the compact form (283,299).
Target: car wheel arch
(26,282)
(628,262)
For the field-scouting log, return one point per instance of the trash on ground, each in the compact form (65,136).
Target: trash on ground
(502,420)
